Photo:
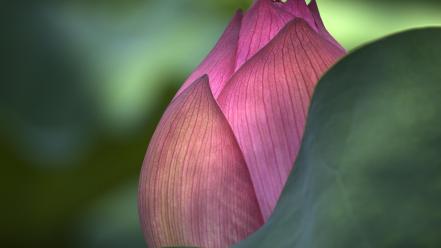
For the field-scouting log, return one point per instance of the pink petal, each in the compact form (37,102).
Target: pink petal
(195,189)
(266,103)
(263,21)
(220,62)
(300,9)
(320,25)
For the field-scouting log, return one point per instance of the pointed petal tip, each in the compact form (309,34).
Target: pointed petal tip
(203,79)
(298,21)
(201,82)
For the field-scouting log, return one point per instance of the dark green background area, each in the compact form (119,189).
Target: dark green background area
(369,170)
(82,87)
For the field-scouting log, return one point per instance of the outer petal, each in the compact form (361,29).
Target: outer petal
(320,25)
(263,21)
(220,63)
(195,189)
(266,103)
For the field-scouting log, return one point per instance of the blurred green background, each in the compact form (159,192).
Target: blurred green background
(83,85)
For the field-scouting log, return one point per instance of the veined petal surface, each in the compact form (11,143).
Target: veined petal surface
(220,63)
(267,100)
(195,189)
(263,21)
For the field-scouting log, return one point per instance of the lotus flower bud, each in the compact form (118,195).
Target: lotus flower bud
(225,146)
